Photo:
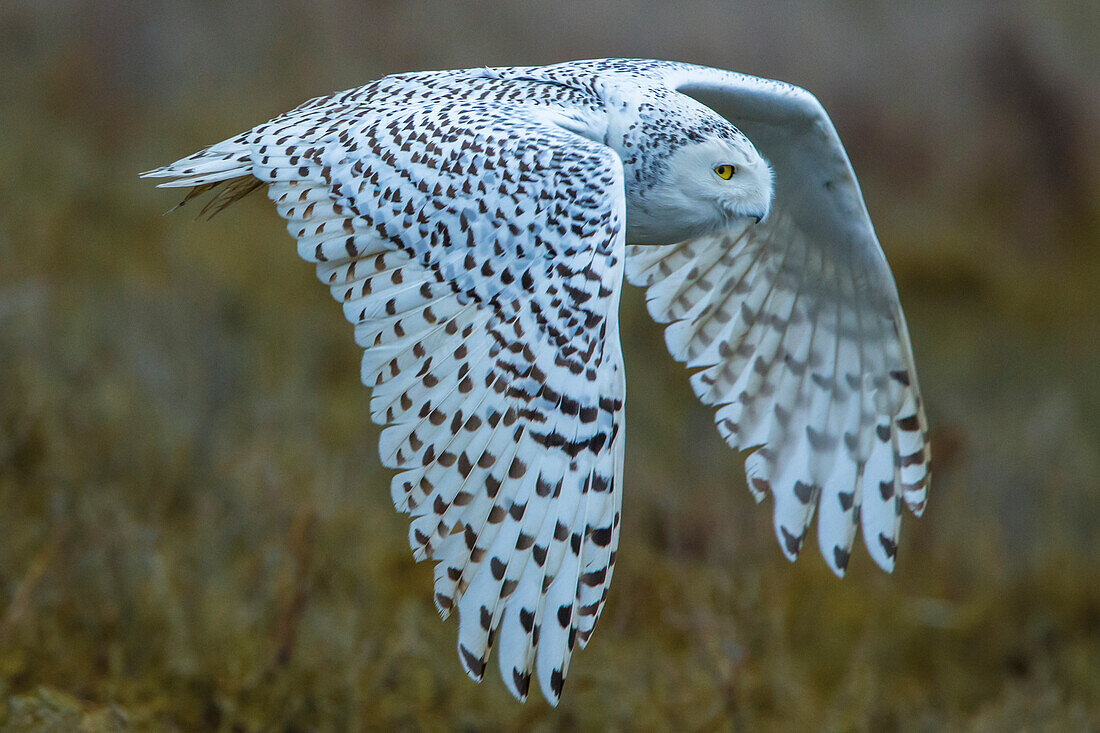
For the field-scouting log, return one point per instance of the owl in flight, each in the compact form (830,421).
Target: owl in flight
(477,226)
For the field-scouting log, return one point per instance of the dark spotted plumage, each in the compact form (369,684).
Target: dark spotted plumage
(473,225)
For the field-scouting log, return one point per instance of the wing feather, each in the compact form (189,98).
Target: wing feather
(479,257)
(795,331)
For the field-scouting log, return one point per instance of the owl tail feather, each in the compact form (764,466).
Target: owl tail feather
(225,168)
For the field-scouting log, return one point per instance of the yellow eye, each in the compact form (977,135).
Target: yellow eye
(725,171)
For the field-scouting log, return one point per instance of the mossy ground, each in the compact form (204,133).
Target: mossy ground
(197,534)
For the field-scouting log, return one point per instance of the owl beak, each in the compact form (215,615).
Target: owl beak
(759,212)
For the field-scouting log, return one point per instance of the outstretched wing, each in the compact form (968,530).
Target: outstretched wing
(480,260)
(796,332)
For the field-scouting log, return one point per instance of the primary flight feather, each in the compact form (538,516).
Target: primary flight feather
(477,226)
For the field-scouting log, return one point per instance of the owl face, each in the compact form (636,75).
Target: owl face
(705,187)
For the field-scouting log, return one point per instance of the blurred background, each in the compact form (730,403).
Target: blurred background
(197,533)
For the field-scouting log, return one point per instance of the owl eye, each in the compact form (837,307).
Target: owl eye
(725,171)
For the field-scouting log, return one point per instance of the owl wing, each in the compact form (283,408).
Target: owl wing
(479,258)
(795,332)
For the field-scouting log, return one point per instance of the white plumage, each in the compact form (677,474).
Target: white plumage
(477,227)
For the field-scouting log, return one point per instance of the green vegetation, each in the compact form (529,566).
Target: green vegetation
(196,532)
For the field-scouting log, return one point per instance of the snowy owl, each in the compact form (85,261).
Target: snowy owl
(477,227)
